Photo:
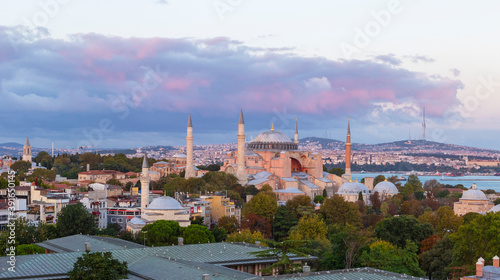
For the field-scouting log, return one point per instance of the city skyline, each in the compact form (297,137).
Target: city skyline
(118,76)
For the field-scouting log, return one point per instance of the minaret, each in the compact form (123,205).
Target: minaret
(189,150)
(241,172)
(296,135)
(27,150)
(348,150)
(144,185)
(423,125)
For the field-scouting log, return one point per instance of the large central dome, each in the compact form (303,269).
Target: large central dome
(272,140)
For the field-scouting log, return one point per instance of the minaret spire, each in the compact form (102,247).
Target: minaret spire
(296,135)
(348,151)
(189,150)
(144,184)
(241,172)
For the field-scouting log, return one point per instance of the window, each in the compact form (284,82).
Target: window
(113,220)
(120,220)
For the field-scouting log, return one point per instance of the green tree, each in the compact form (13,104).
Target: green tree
(310,228)
(44,174)
(21,166)
(263,205)
(98,265)
(347,243)
(29,249)
(337,171)
(44,159)
(75,219)
(436,260)
(336,210)
(281,251)
(415,182)
(397,230)
(161,233)
(284,220)
(114,182)
(94,160)
(444,220)
(384,255)
(219,234)
(245,235)
(194,234)
(299,205)
(319,199)
(378,179)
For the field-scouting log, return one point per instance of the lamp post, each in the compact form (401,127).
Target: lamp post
(144,234)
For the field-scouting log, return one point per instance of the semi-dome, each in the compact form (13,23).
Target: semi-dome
(495,208)
(165,203)
(272,140)
(474,194)
(386,187)
(352,188)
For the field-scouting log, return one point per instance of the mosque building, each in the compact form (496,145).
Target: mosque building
(473,200)
(272,158)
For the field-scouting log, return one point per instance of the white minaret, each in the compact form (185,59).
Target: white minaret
(144,185)
(189,150)
(27,150)
(241,172)
(296,135)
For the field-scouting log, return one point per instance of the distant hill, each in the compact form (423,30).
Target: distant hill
(11,145)
(323,141)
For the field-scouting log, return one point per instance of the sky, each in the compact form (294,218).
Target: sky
(125,73)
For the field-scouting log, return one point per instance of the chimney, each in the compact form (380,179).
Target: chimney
(87,246)
(479,268)
(88,167)
(496,260)
(306,269)
(205,277)
(180,241)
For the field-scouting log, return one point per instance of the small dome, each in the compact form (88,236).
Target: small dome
(386,187)
(165,203)
(352,188)
(179,155)
(495,208)
(474,194)
(272,136)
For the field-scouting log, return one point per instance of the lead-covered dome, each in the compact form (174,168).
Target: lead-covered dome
(165,203)
(272,140)
(353,188)
(474,194)
(495,209)
(386,187)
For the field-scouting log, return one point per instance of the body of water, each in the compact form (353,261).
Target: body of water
(482,182)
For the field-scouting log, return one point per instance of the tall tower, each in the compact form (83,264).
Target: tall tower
(189,150)
(348,151)
(27,150)
(296,135)
(144,185)
(241,172)
(423,125)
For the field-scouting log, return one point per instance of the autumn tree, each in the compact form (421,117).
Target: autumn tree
(245,235)
(263,205)
(336,210)
(310,228)
(255,222)
(444,220)
(229,224)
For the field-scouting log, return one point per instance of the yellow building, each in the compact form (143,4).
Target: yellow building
(221,206)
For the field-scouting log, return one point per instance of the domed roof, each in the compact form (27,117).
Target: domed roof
(271,136)
(386,187)
(495,208)
(474,194)
(165,203)
(352,188)
(179,155)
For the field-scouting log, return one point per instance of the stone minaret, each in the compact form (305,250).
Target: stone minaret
(189,150)
(348,151)
(27,150)
(241,172)
(296,135)
(144,185)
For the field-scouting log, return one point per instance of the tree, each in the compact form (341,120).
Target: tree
(245,236)
(219,234)
(397,230)
(435,260)
(94,160)
(98,265)
(194,234)
(229,224)
(21,166)
(263,205)
(319,199)
(44,159)
(44,174)
(375,201)
(29,249)
(444,220)
(477,238)
(310,228)
(114,182)
(336,210)
(284,220)
(384,255)
(432,187)
(298,205)
(255,222)
(411,207)
(415,182)
(378,179)
(281,251)
(347,243)
(337,171)
(75,219)
(161,233)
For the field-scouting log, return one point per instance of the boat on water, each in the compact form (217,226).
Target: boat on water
(497,174)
